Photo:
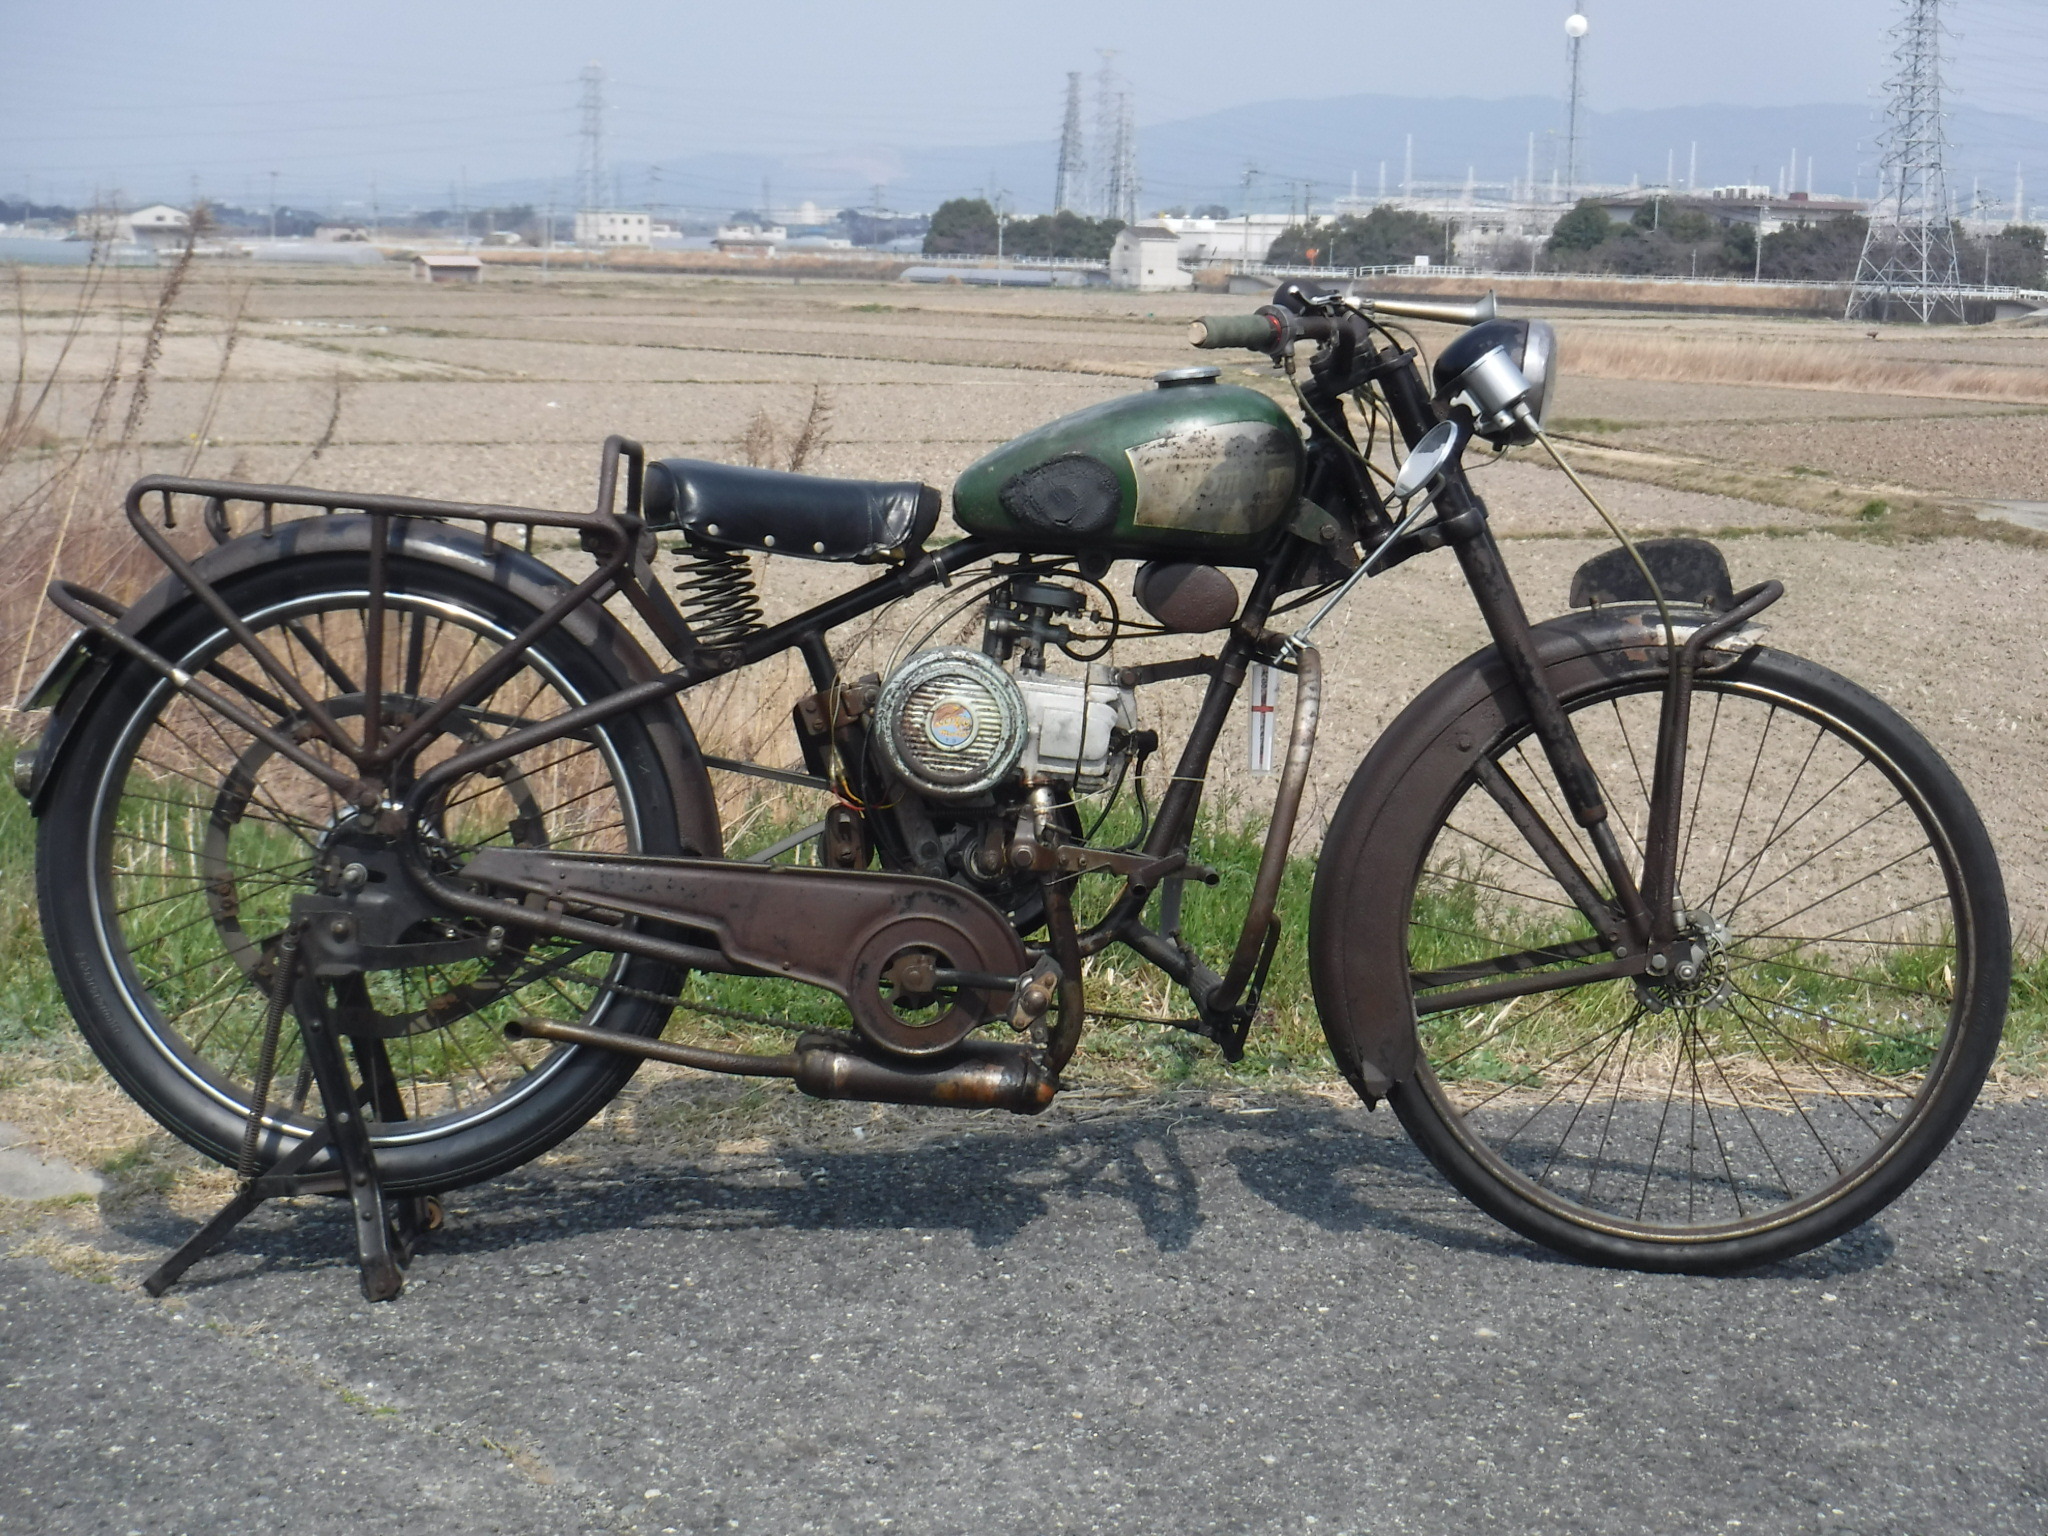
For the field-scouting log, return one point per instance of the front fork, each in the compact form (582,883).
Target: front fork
(1464,526)
(1645,916)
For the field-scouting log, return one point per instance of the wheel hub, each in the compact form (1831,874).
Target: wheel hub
(1690,973)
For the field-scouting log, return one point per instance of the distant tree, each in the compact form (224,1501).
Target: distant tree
(2016,257)
(21,212)
(1385,237)
(1065,234)
(1210,211)
(878,228)
(962,226)
(1586,226)
(1660,215)
(1825,252)
(1738,249)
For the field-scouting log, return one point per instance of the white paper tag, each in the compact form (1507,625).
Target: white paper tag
(1265,697)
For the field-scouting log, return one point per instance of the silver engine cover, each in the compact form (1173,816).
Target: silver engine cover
(1075,726)
(951,723)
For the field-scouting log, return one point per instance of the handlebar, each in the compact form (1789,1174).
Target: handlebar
(1266,330)
(1270,328)
(1255,333)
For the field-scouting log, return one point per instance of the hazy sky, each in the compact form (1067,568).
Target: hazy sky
(146,95)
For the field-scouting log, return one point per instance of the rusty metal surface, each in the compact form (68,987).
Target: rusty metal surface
(831,928)
(736,1063)
(1258,917)
(978,1074)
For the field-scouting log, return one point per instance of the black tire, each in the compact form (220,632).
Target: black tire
(1854,959)
(174,843)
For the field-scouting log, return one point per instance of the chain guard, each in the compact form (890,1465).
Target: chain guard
(843,930)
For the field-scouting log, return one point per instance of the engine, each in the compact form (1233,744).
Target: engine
(956,724)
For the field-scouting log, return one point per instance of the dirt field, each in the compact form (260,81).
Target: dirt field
(503,392)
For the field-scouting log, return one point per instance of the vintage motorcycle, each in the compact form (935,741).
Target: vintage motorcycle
(1669,949)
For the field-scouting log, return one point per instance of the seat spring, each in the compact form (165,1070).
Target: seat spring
(715,593)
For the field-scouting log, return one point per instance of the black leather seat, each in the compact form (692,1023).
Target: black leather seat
(801,515)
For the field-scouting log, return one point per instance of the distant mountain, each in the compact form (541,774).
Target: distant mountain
(1202,159)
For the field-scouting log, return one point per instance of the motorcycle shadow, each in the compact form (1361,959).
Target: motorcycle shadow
(1176,1164)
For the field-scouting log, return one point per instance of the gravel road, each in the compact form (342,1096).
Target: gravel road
(1178,1314)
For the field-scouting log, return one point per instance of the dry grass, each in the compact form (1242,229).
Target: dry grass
(1856,367)
(768,444)
(63,514)
(1622,292)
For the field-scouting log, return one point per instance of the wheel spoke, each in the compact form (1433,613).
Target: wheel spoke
(1696,1106)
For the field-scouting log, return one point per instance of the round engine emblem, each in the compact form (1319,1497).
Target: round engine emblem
(950,724)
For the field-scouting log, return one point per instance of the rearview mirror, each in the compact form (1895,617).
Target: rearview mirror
(1427,460)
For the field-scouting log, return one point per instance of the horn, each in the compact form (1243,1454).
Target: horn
(1449,314)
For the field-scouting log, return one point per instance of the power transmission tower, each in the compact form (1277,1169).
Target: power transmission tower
(1126,194)
(1909,254)
(590,160)
(1067,185)
(1102,163)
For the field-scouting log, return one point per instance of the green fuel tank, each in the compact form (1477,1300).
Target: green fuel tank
(1192,467)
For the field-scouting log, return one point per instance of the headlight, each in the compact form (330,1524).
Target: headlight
(1498,366)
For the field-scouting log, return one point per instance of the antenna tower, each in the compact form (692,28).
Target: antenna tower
(1909,254)
(1067,189)
(1575,29)
(590,158)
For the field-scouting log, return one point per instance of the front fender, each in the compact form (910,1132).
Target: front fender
(1358,914)
(75,680)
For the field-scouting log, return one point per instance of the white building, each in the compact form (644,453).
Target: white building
(447,267)
(159,224)
(750,239)
(1147,257)
(1239,239)
(609,226)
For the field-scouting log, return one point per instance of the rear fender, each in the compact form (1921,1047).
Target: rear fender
(1358,914)
(77,678)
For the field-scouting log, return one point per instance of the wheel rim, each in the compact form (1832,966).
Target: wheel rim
(1828,936)
(202,837)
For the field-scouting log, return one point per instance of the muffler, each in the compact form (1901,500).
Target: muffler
(976,1074)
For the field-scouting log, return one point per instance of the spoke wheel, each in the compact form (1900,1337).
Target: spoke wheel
(1804,1052)
(171,856)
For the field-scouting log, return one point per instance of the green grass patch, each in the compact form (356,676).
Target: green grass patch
(36,1032)
(38,1037)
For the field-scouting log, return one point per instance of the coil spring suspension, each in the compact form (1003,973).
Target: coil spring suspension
(715,593)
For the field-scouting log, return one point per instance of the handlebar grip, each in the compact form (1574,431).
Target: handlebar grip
(1256,333)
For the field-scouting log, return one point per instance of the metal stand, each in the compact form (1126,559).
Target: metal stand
(387,1230)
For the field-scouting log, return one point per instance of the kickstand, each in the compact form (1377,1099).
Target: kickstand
(385,1229)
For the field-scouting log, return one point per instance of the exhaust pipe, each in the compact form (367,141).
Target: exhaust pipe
(976,1074)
